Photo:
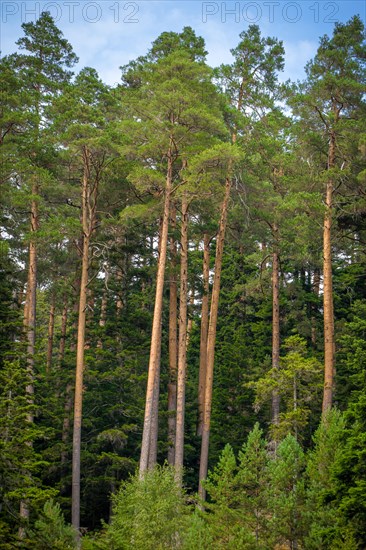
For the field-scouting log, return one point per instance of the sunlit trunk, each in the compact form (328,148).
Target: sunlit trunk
(275,324)
(329,350)
(51,327)
(154,361)
(204,332)
(173,348)
(182,343)
(211,339)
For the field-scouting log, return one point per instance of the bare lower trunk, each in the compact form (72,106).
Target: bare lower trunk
(182,345)
(211,340)
(61,350)
(119,302)
(68,403)
(24,515)
(30,307)
(66,422)
(78,399)
(329,363)
(329,344)
(154,432)
(103,317)
(275,325)
(26,307)
(51,327)
(155,337)
(204,331)
(190,319)
(153,446)
(88,210)
(30,328)
(316,290)
(89,319)
(173,348)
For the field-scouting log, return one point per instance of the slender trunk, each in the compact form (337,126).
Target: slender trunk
(26,308)
(153,445)
(66,422)
(173,351)
(20,295)
(103,317)
(31,324)
(295,403)
(87,224)
(329,362)
(68,403)
(154,432)
(30,327)
(51,327)
(303,278)
(79,387)
(119,302)
(89,319)
(275,325)
(204,331)
(316,290)
(155,336)
(190,319)
(61,350)
(30,307)
(211,339)
(182,344)
(329,355)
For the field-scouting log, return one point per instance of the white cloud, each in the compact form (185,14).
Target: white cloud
(297,54)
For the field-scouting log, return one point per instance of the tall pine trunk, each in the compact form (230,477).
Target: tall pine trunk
(154,432)
(61,349)
(30,306)
(211,339)
(275,324)
(88,209)
(153,445)
(182,343)
(329,359)
(103,317)
(51,327)
(154,360)
(316,290)
(30,328)
(190,316)
(173,348)
(204,332)
(68,403)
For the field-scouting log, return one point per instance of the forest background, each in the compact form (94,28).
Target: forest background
(188,243)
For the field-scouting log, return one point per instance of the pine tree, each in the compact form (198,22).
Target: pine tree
(322,513)
(332,99)
(253,480)
(256,61)
(286,494)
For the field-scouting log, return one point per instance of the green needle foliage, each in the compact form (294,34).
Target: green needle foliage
(148,514)
(50,530)
(298,380)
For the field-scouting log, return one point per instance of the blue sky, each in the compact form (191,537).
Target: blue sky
(108,33)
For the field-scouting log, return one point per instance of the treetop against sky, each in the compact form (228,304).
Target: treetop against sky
(106,34)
